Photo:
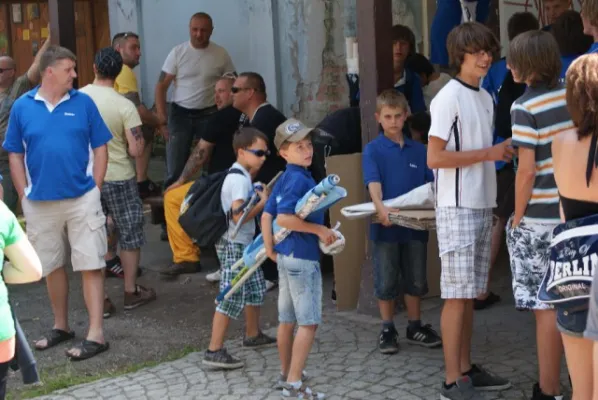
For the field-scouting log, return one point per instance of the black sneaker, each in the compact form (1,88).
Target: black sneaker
(114,269)
(484,380)
(260,341)
(538,395)
(221,359)
(389,341)
(424,336)
(487,302)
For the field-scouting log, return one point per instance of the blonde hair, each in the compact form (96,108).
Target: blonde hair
(582,94)
(393,99)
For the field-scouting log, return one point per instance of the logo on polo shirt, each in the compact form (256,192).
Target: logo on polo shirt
(412,165)
(68,114)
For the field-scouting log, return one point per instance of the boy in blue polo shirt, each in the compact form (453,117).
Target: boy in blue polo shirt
(298,258)
(392,166)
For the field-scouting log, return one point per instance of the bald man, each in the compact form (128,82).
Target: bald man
(11,88)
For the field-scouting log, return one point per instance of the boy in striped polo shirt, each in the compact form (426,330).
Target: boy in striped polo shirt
(537,117)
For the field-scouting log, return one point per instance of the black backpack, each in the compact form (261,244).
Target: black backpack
(203,219)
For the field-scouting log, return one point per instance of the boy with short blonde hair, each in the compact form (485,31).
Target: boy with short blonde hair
(392,166)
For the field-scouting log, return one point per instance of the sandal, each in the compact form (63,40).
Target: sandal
(88,349)
(53,338)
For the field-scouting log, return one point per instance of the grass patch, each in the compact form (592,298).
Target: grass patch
(65,376)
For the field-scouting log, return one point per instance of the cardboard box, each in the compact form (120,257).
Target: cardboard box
(349,263)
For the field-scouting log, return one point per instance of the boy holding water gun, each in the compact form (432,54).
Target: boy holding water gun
(300,279)
(251,148)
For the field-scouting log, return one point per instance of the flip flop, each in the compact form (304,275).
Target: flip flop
(53,338)
(88,349)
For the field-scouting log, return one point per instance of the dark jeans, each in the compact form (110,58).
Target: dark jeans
(3,378)
(184,125)
(11,198)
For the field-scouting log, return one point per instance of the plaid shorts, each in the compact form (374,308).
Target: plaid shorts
(464,238)
(252,292)
(121,201)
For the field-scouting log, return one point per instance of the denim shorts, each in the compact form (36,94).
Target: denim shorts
(299,291)
(400,268)
(572,323)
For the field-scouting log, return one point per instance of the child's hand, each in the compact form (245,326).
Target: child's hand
(326,236)
(263,194)
(383,217)
(272,255)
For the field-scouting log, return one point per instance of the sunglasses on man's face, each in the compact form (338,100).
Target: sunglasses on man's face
(259,153)
(235,89)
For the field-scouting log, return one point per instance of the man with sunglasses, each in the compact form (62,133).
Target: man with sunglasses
(127,44)
(194,67)
(11,88)
(249,97)
(215,149)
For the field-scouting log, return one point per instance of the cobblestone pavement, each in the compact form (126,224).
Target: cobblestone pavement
(344,364)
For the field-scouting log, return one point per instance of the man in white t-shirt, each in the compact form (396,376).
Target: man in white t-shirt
(194,67)
(461,153)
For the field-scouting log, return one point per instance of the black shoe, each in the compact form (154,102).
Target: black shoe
(485,381)
(487,302)
(260,341)
(424,336)
(114,269)
(538,395)
(389,341)
(221,359)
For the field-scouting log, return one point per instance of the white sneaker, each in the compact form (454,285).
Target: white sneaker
(214,276)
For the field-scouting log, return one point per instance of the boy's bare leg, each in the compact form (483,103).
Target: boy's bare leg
(387,309)
(130,264)
(219,328)
(413,304)
(451,324)
(252,318)
(284,339)
(301,348)
(550,352)
(466,335)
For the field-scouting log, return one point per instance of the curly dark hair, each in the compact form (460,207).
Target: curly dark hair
(582,94)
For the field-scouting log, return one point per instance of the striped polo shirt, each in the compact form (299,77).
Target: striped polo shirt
(537,117)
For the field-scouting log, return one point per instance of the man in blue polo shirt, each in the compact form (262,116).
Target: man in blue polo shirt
(56,141)
(392,166)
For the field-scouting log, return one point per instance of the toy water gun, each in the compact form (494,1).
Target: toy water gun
(323,196)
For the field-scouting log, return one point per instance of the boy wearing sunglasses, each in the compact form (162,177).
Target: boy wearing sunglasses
(251,148)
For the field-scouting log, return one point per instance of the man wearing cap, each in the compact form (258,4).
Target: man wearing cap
(56,140)
(120,196)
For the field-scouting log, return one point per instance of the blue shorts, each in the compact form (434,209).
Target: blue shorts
(299,291)
(400,268)
(572,323)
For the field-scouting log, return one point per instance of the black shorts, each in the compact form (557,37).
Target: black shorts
(505,192)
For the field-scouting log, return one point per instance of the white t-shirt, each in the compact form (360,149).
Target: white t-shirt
(237,187)
(196,71)
(431,89)
(462,115)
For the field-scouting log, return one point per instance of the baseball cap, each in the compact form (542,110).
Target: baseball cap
(291,130)
(108,62)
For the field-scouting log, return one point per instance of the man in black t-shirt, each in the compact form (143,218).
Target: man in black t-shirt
(215,149)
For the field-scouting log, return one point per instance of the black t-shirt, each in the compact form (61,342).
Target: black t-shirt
(267,119)
(220,131)
(345,126)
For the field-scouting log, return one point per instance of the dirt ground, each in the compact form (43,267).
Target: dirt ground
(180,318)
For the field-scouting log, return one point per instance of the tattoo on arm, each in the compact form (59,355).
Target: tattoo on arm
(136,132)
(195,162)
(134,97)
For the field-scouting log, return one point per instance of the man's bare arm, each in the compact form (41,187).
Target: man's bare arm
(135,141)
(16,162)
(439,157)
(147,117)
(160,95)
(100,164)
(33,73)
(200,156)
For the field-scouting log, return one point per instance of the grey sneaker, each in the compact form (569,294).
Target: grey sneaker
(282,380)
(261,340)
(484,380)
(463,390)
(221,359)
(303,393)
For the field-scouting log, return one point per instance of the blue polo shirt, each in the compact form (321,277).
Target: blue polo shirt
(57,144)
(567,61)
(290,188)
(593,49)
(399,170)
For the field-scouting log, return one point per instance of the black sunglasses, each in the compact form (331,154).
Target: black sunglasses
(235,89)
(259,153)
